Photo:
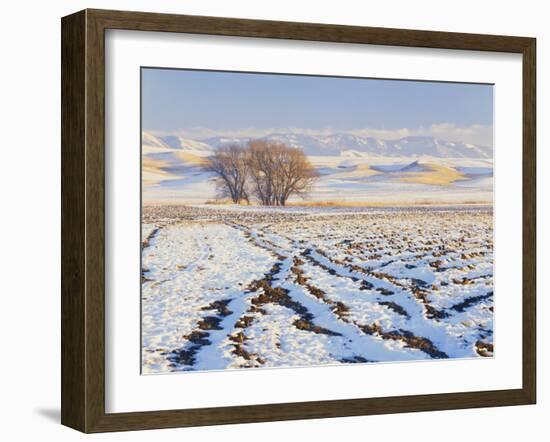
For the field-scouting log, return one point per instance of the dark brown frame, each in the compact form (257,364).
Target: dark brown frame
(83,220)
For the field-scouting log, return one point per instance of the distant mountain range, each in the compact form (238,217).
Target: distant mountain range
(340,144)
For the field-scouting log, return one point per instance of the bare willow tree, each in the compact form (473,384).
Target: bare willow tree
(295,175)
(278,171)
(262,171)
(231,167)
(269,171)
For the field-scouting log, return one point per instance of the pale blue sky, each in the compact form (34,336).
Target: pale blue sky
(175,101)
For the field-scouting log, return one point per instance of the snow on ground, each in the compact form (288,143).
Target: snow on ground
(185,269)
(248,288)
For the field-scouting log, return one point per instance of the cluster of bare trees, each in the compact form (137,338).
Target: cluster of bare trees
(267,171)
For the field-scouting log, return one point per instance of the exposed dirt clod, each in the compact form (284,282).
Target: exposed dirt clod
(412,341)
(468,302)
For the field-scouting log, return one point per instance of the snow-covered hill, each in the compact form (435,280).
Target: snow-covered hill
(340,144)
(186,144)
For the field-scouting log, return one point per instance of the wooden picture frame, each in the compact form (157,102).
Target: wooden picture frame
(83,220)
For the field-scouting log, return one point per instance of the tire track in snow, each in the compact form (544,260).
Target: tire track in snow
(332,315)
(379,281)
(382,282)
(205,254)
(405,336)
(276,294)
(189,317)
(288,295)
(417,325)
(146,243)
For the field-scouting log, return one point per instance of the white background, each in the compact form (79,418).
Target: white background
(29,186)
(128,391)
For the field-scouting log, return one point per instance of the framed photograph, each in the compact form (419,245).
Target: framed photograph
(267,220)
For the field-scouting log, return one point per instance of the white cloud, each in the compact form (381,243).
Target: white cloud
(476,134)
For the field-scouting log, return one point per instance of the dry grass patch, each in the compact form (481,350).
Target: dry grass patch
(437,175)
(191,159)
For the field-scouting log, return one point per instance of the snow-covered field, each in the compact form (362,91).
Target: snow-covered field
(246,287)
